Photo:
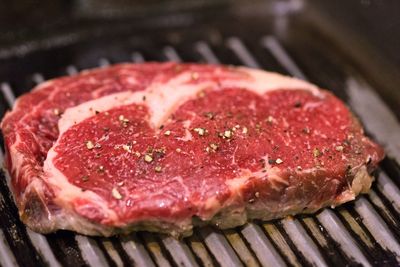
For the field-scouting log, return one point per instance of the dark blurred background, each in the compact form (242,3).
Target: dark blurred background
(376,22)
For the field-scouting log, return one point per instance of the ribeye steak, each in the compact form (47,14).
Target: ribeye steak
(163,147)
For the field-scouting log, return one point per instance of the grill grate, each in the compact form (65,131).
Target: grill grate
(366,232)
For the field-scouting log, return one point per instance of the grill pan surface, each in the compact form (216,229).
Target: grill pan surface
(365,232)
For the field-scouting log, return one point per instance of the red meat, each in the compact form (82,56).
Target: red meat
(163,147)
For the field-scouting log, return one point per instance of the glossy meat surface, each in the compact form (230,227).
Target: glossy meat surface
(153,146)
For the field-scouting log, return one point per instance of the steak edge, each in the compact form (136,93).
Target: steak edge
(164,147)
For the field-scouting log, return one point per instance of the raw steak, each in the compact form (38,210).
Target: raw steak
(163,147)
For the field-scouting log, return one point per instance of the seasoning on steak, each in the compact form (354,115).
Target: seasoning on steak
(163,147)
